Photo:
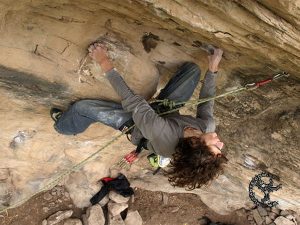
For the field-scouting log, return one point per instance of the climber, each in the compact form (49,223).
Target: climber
(191,143)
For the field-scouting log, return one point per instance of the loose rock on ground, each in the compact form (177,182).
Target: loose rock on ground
(58,217)
(94,216)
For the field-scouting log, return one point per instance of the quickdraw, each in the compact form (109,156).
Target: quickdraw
(266,81)
(128,159)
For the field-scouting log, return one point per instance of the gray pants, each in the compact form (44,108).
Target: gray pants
(83,113)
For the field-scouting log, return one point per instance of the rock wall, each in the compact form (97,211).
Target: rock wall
(44,63)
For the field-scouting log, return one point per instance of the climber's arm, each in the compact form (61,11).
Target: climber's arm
(208,89)
(145,118)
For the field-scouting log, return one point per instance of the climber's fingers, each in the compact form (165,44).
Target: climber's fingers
(91,48)
(98,46)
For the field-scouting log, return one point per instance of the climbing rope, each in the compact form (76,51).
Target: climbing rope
(174,106)
(251,86)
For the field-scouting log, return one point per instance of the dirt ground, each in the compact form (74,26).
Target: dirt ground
(156,208)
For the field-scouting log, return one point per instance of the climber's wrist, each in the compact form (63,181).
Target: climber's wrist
(106,65)
(213,68)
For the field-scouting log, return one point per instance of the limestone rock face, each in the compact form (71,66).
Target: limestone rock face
(44,62)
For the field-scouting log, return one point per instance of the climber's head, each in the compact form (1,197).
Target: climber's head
(213,142)
(198,159)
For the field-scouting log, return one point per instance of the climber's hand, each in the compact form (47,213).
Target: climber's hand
(214,60)
(98,52)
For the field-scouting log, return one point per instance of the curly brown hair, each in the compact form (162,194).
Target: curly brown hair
(193,165)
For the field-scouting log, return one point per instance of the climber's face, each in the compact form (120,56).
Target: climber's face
(210,139)
(213,142)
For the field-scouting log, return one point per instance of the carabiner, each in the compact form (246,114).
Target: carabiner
(279,75)
(250,86)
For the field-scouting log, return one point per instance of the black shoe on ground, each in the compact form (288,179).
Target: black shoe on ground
(55,113)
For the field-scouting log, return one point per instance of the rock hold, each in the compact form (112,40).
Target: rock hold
(59,216)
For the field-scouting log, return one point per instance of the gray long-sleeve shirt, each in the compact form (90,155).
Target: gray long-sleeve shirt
(163,132)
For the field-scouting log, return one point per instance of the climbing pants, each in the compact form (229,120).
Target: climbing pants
(83,113)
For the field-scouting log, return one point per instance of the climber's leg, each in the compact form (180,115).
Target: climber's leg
(182,85)
(85,112)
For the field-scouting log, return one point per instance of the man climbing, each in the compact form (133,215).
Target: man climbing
(192,145)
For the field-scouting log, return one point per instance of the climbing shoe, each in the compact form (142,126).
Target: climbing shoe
(158,160)
(55,113)
(153,160)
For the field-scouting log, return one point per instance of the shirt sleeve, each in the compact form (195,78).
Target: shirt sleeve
(205,110)
(146,119)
